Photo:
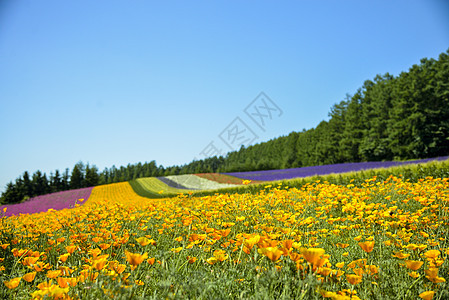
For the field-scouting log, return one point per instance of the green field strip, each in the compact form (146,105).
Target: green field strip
(152,187)
(141,191)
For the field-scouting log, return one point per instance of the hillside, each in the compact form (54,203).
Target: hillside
(388,118)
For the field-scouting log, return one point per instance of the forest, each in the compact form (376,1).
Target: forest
(388,118)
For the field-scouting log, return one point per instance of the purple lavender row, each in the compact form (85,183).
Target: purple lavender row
(270,175)
(57,201)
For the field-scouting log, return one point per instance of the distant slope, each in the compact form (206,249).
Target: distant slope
(271,175)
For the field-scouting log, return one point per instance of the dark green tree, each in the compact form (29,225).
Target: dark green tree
(77,176)
(92,177)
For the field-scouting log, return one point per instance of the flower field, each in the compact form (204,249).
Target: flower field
(383,239)
(56,201)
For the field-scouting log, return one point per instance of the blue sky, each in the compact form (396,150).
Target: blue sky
(118,82)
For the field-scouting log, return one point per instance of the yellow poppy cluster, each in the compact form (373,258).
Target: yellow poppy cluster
(383,237)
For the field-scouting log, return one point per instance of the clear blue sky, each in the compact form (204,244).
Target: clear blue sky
(118,82)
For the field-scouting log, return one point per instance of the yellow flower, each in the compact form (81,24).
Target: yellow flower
(176,250)
(143,241)
(221,255)
(358,238)
(139,282)
(13,283)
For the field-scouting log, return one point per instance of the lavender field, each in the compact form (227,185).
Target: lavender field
(270,175)
(57,201)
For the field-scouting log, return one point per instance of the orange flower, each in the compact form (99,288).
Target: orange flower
(135,259)
(63,282)
(44,285)
(353,279)
(53,274)
(427,295)
(29,261)
(432,254)
(401,255)
(28,277)
(371,269)
(119,268)
(104,246)
(13,283)
(273,253)
(367,246)
(312,255)
(189,258)
(63,257)
(70,249)
(432,272)
(413,264)
(99,263)
(249,243)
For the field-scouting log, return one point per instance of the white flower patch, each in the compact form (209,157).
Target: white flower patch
(191,181)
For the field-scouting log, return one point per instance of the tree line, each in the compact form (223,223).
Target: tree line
(388,118)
